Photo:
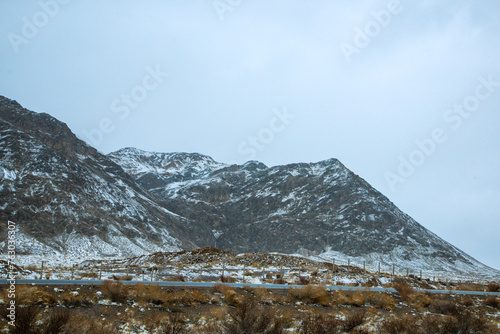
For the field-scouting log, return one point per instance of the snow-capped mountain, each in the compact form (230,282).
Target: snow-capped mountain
(65,197)
(68,199)
(308,208)
(154,170)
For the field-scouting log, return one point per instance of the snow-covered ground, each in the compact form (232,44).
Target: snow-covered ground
(210,264)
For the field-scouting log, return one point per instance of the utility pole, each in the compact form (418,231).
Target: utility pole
(100,270)
(41,274)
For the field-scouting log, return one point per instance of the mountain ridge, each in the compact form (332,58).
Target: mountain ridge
(68,198)
(222,197)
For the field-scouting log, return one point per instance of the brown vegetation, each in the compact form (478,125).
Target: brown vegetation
(224,310)
(492,301)
(310,294)
(115,291)
(404,289)
(33,295)
(493,287)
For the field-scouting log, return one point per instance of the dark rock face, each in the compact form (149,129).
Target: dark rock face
(66,195)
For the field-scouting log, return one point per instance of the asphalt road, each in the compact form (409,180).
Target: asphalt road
(235,285)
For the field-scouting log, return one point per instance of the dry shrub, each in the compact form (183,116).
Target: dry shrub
(317,324)
(178,278)
(33,295)
(420,300)
(492,301)
(57,321)
(267,297)
(354,319)
(493,287)
(146,293)
(373,281)
(469,286)
(339,298)
(248,317)
(26,318)
(351,298)
(464,322)
(232,298)
(468,322)
(303,280)
(279,280)
(221,288)
(115,291)
(79,324)
(163,323)
(399,324)
(356,299)
(310,294)
(123,277)
(210,327)
(69,298)
(31,267)
(380,300)
(445,306)
(189,298)
(404,289)
(466,301)
(227,279)
(218,313)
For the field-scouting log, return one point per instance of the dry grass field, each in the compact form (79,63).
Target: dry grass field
(117,308)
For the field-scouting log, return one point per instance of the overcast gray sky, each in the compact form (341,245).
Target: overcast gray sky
(405,93)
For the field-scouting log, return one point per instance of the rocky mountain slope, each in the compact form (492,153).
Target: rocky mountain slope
(68,199)
(65,197)
(309,208)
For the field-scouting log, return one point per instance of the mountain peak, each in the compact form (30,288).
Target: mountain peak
(44,127)
(68,197)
